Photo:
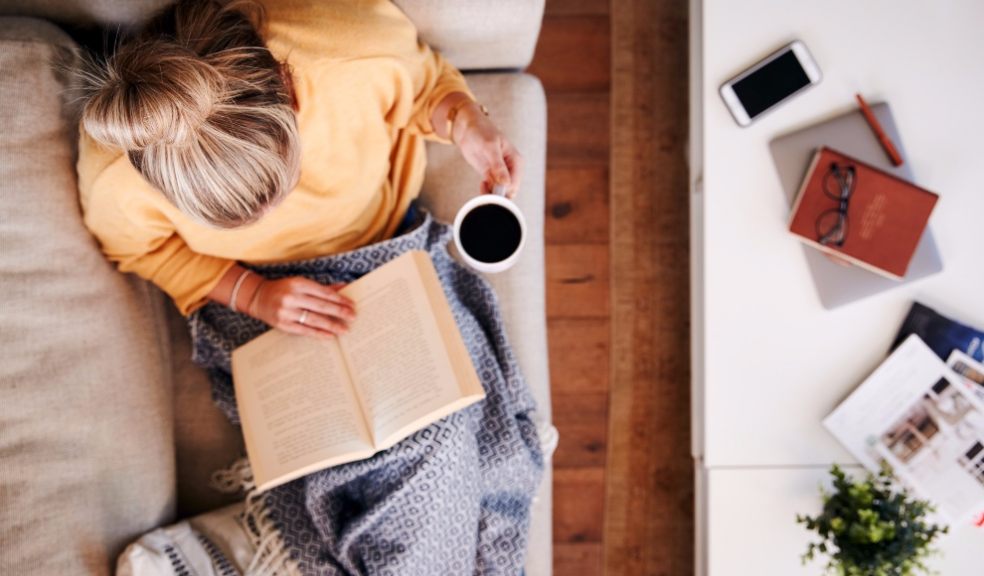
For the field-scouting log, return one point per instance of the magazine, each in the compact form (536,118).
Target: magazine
(925,422)
(942,334)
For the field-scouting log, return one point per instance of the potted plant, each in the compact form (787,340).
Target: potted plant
(871,528)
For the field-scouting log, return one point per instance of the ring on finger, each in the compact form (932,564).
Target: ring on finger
(303,317)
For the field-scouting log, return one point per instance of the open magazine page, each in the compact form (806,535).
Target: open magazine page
(924,421)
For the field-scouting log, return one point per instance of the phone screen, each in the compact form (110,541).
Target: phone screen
(768,85)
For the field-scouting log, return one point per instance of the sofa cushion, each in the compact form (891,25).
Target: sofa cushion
(86,448)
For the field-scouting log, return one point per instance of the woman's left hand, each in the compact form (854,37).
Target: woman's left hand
(487,150)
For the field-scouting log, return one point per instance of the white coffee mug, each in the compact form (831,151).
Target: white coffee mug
(498,197)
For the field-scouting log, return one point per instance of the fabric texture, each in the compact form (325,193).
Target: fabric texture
(473,35)
(495,35)
(453,498)
(86,434)
(366,89)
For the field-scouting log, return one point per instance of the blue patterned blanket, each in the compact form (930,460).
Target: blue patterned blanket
(453,498)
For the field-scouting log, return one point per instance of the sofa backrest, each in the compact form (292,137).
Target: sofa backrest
(471,34)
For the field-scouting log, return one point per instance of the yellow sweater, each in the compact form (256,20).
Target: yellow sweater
(366,89)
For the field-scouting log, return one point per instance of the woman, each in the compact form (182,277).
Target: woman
(230,140)
(303,143)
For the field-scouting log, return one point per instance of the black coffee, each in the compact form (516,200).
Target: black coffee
(490,233)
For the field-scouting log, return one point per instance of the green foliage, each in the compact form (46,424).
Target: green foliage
(868,528)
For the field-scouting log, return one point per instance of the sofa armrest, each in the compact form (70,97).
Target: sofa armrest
(479,34)
(517,104)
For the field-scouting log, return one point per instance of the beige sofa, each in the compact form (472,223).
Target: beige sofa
(107,430)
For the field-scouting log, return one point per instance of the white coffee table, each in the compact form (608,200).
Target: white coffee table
(769,360)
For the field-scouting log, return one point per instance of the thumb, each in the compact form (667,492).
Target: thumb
(500,173)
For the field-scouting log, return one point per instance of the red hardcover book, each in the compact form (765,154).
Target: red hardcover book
(860,213)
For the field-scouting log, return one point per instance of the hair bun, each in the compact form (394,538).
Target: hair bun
(150,93)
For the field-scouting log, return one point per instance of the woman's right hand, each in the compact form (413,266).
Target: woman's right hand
(286,302)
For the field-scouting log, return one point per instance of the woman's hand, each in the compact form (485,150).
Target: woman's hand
(302,306)
(487,150)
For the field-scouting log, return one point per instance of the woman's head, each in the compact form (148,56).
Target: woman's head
(203,111)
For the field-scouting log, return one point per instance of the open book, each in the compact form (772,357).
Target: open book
(307,404)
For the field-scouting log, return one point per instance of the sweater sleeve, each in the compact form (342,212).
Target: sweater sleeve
(438,79)
(432,76)
(119,210)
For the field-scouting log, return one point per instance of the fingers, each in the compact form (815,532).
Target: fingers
(325,312)
(328,312)
(326,308)
(307,322)
(318,290)
(514,161)
(505,167)
(327,324)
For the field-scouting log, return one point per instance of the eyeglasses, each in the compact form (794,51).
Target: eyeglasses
(838,184)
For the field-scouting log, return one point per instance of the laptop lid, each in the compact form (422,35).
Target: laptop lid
(838,284)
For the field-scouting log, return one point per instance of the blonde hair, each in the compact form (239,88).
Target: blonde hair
(201,108)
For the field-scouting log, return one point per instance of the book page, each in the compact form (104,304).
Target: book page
(297,406)
(397,355)
(924,421)
(457,352)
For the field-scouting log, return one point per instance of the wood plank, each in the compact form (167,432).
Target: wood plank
(577,129)
(579,355)
(581,559)
(581,7)
(567,42)
(579,504)
(582,422)
(577,205)
(577,281)
(649,491)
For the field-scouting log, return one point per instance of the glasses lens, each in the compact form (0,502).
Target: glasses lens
(831,228)
(838,182)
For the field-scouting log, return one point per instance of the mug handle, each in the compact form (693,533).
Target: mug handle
(499,189)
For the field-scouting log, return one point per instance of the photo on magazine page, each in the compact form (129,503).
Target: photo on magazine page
(971,371)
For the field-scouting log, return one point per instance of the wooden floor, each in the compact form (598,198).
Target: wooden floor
(615,76)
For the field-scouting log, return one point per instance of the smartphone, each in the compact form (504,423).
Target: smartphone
(772,80)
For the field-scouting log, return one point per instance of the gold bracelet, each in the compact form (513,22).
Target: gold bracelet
(453,113)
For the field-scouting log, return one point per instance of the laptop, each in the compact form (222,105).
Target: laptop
(837,284)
